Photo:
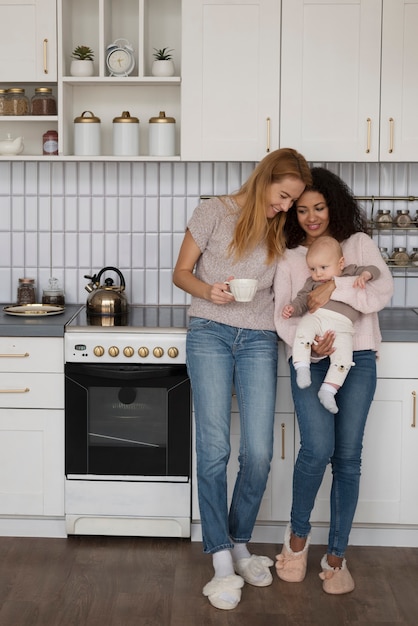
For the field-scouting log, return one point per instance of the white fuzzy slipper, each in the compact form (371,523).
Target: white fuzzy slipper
(255,570)
(224,592)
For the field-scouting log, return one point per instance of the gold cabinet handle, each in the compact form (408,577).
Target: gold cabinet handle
(268,135)
(45,56)
(19,356)
(283,429)
(414,409)
(25,390)
(391,128)
(369,134)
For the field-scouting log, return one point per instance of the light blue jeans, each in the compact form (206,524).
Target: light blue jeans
(335,439)
(218,357)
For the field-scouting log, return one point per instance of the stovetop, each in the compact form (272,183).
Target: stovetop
(146,319)
(147,334)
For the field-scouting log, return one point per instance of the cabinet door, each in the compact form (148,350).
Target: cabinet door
(31,462)
(330,78)
(230,79)
(28,41)
(399,120)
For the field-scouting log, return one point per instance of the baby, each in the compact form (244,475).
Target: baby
(325,260)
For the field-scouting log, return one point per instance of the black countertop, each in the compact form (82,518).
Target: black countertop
(395,324)
(44,326)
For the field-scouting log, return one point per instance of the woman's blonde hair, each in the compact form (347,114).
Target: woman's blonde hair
(253,226)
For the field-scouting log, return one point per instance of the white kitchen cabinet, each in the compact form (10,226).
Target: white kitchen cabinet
(145,24)
(31,427)
(348,79)
(28,48)
(388,484)
(230,79)
(330,78)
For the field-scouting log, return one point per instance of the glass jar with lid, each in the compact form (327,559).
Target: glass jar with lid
(3,98)
(400,256)
(414,257)
(383,219)
(385,254)
(26,291)
(17,102)
(43,102)
(403,219)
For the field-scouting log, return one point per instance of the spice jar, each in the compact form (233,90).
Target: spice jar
(26,291)
(384,253)
(17,103)
(43,102)
(87,141)
(53,294)
(414,257)
(162,135)
(3,99)
(403,219)
(50,142)
(400,256)
(126,135)
(383,219)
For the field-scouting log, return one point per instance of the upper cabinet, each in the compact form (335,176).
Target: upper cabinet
(348,90)
(28,49)
(230,79)
(331,79)
(399,102)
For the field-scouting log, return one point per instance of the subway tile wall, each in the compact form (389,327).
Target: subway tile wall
(70,219)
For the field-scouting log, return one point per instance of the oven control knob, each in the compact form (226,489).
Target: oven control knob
(98,351)
(128,351)
(113,351)
(143,352)
(158,352)
(173,352)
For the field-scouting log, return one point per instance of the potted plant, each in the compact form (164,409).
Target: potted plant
(163,63)
(82,61)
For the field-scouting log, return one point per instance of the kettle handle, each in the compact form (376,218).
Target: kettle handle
(113,269)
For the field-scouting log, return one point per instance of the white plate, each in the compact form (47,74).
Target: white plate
(33,310)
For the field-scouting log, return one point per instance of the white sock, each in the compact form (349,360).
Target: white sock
(222,563)
(326,395)
(303,374)
(240,551)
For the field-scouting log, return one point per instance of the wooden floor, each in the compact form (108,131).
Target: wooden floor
(121,581)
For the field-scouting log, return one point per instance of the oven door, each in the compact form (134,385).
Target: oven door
(127,420)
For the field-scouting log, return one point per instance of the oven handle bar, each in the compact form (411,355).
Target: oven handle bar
(124,372)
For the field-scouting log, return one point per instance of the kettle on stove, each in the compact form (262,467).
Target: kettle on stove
(107,299)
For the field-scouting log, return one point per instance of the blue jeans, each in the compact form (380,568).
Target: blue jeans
(218,357)
(335,439)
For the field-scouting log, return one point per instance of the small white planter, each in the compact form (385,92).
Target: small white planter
(162,68)
(81,67)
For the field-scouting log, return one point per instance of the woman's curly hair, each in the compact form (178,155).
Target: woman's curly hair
(346,217)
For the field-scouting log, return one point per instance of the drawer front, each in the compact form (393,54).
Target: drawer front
(31,354)
(29,390)
(398,360)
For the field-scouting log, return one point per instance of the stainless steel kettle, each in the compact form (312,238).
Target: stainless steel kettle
(107,299)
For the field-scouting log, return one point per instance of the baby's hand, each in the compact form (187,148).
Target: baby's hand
(362,279)
(287,311)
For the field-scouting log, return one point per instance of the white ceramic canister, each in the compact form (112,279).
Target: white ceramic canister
(125,135)
(162,135)
(87,140)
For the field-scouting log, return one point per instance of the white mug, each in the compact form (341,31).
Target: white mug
(243,289)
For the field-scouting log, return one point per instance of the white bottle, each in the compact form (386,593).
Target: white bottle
(87,139)
(126,135)
(162,135)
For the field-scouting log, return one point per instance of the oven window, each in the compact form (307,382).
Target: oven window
(128,416)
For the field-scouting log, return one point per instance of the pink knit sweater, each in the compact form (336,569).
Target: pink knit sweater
(359,249)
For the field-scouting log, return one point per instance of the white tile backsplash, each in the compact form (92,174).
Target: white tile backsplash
(68,219)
